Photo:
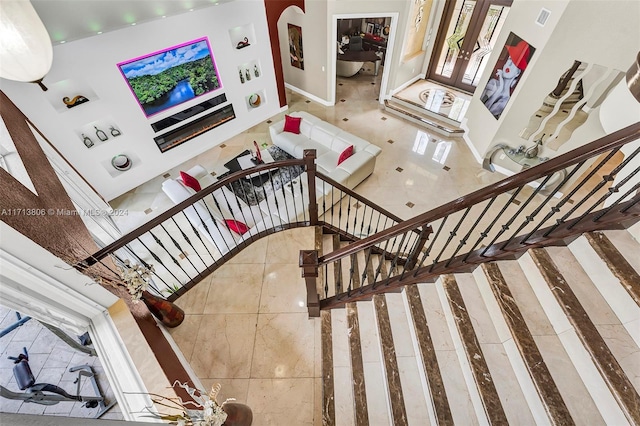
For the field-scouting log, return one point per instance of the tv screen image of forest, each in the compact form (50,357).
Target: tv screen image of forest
(167,78)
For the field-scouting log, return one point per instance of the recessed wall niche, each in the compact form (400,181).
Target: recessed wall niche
(243,36)
(66,95)
(98,132)
(255,100)
(249,71)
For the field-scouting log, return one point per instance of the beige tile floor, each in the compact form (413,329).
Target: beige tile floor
(247,328)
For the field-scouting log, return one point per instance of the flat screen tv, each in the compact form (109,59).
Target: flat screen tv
(169,77)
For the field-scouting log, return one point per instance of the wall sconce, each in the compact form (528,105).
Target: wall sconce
(26,53)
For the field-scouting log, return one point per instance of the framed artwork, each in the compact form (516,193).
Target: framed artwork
(506,75)
(295,46)
(169,77)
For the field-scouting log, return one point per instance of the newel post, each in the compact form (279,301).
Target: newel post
(310,165)
(309,265)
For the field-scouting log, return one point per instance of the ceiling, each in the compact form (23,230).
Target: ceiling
(68,20)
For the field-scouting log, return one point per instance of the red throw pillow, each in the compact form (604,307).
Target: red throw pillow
(345,154)
(292,124)
(190,181)
(237,227)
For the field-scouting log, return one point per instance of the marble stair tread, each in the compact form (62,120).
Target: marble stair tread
(608,286)
(422,117)
(342,377)
(486,400)
(415,396)
(328,395)
(619,339)
(499,352)
(612,374)
(453,377)
(617,262)
(539,387)
(357,370)
(378,402)
(438,403)
(626,244)
(574,393)
(390,362)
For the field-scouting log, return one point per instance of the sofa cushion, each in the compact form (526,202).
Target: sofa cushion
(323,133)
(190,181)
(348,152)
(289,141)
(292,124)
(228,206)
(178,193)
(309,144)
(236,226)
(327,162)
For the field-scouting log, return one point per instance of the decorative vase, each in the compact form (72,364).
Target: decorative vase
(167,312)
(237,414)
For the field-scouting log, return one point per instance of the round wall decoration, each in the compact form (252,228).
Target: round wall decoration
(254,100)
(121,162)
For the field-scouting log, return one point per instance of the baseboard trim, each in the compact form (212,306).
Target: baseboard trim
(309,95)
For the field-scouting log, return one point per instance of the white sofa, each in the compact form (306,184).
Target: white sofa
(329,141)
(208,216)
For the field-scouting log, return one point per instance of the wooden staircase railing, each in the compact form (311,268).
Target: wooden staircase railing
(503,220)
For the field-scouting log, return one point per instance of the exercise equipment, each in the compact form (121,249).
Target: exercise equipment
(49,394)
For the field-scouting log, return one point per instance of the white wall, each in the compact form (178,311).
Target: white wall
(313,79)
(93,60)
(600,32)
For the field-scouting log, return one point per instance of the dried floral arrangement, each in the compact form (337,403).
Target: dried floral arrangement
(204,410)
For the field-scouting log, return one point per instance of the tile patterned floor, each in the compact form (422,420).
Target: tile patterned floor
(50,359)
(244,327)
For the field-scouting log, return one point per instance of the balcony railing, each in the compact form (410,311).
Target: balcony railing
(598,190)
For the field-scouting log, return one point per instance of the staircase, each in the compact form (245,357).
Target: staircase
(550,338)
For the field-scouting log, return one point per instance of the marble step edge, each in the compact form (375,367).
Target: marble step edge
(616,262)
(341,365)
(484,396)
(608,284)
(433,384)
(415,106)
(538,386)
(546,291)
(431,123)
(390,362)
(357,368)
(328,395)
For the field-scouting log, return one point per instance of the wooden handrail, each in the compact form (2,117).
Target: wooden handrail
(358,197)
(628,211)
(126,239)
(580,154)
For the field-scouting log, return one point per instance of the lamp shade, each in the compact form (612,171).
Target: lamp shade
(26,53)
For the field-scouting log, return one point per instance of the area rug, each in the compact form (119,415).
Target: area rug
(252,195)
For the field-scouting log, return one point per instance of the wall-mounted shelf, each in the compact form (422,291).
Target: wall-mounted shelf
(255,100)
(249,71)
(243,36)
(98,132)
(70,94)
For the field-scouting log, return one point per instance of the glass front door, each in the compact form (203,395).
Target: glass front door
(465,40)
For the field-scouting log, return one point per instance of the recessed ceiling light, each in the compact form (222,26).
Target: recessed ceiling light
(190,10)
(63,41)
(99,32)
(133,23)
(164,16)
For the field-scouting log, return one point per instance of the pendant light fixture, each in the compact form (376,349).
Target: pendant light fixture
(26,53)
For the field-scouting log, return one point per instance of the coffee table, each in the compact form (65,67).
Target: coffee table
(243,161)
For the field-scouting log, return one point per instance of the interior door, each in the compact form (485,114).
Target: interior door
(465,39)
